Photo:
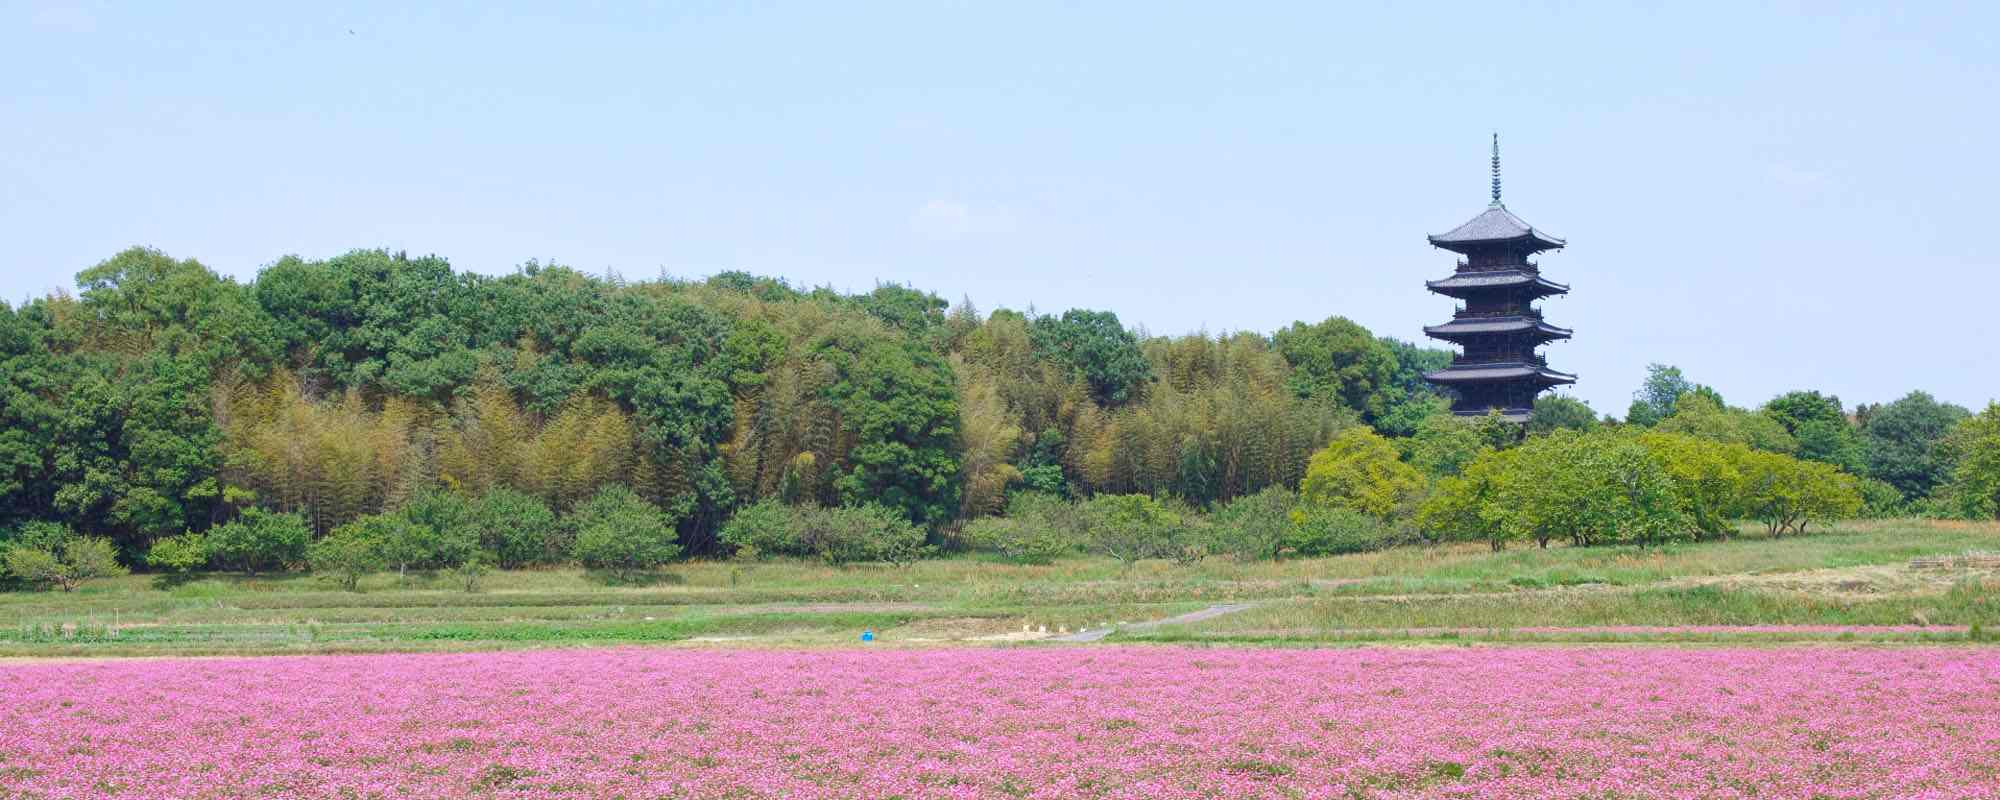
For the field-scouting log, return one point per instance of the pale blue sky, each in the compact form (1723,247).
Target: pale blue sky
(1772,198)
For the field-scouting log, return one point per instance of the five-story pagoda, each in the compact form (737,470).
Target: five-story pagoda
(1498,327)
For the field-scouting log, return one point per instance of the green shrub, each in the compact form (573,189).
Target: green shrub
(1359,470)
(1192,537)
(348,554)
(1038,529)
(52,554)
(404,543)
(1255,526)
(183,553)
(619,532)
(762,529)
(853,534)
(453,527)
(1045,479)
(1018,540)
(518,529)
(1880,500)
(1333,531)
(1128,527)
(841,535)
(259,540)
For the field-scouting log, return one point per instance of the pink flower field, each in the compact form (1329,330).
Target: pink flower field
(1044,722)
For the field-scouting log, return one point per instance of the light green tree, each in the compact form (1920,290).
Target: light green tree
(1789,494)
(403,543)
(1443,444)
(183,553)
(516,528)
(622,534)
(1255,526)
(1975,481)
(348,554)
(259,541)
(1701,415)
(1455,509)
(1128,527)
(1359,470)
(1038,528)
(1707,477)
(1587,488)
(50,553)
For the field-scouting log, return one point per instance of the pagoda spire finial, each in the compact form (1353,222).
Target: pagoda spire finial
(1496,169)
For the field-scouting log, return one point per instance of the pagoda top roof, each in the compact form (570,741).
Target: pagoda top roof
(1495,225)
(1497,279)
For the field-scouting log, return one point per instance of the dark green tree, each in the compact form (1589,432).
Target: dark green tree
(916,313)
(1902,443)
(1409,397)
(899,402)
(1820,425)
(1096,347)
(619,532)
(1555,412)
(1656,397)
(1340,362)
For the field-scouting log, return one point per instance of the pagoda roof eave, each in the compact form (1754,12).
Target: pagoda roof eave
(1496,225)
(1538,243)
(1475,327)
(1495,279)
(1499,372)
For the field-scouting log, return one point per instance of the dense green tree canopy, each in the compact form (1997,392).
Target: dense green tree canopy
(1700,415)
(1820,425)
(1555,412)
(1974,445)
(1902,442)
(1339,361)
(1100,349)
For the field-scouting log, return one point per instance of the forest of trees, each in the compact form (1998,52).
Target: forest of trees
(163,399)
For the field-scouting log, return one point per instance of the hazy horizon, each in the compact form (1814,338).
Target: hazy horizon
(1771,199)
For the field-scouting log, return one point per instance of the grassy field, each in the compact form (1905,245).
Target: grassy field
(1849,583)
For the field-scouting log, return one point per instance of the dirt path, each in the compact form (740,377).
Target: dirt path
(1210,612)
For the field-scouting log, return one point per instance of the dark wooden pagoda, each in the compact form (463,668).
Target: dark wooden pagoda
(1498,327)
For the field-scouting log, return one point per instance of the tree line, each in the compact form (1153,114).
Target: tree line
(165,403)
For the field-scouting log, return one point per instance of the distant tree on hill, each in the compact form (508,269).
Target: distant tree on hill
(1408,397)
(1819,423)
(1903,439)
(1338,361)
(1657,397)
(1098,348)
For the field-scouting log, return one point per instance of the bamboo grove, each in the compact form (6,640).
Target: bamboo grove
(164,398)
